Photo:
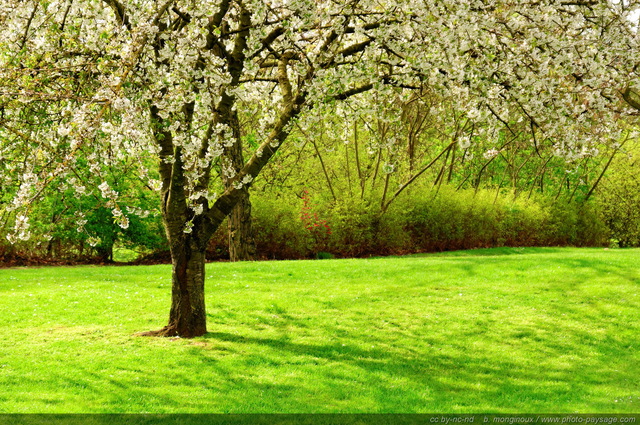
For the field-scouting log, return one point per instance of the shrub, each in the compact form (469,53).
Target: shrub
(360,229)
(422,220)
(279,230)
(466,219)
(618,199)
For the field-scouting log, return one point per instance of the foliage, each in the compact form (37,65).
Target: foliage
(369,176)
(279,231)
(424,220)
(360,229)
(461,332)
(619,198)
(468,219)
(73,222)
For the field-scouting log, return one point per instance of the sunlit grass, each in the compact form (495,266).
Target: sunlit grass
(509,330)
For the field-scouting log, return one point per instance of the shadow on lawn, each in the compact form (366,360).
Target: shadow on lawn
(460,370)
(552,358)
(349,371)
(403,379)
(582,269)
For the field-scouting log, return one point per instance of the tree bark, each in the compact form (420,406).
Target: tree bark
(187,317)
(188,242)
(242,245)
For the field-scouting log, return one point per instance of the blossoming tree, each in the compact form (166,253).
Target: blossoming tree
(115,79)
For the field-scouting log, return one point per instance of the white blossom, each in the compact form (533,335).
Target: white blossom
(464,142)
(491,153)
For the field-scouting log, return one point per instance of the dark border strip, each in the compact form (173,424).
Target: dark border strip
(319,419)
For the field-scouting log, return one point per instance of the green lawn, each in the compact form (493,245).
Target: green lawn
(504,330)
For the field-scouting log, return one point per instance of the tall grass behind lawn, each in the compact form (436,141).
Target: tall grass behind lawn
(503,330)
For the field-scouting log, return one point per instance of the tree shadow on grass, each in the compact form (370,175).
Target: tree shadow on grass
(445,378)
(458,371)
(539,362)
(582,269)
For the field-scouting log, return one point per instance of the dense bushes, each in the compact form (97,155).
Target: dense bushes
(279,231)
(422,221)
(62,226)
(310,226)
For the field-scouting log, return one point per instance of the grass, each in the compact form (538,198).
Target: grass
(505,330)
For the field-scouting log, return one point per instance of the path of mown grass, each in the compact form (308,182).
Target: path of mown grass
(541,330)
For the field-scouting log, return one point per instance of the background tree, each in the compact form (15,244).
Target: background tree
(619,198)
(166,78)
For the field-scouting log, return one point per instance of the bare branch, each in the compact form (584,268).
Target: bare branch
(632,97)
(120,12)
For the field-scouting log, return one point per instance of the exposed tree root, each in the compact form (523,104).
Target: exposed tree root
(171,331)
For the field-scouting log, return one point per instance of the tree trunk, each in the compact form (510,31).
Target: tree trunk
(242,245)
(187,317)
(188,237)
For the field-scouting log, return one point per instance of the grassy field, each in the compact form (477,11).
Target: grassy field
(504,330)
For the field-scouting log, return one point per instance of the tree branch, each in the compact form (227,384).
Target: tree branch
(225,203)
(416,175)
(120,11)
(631,96)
